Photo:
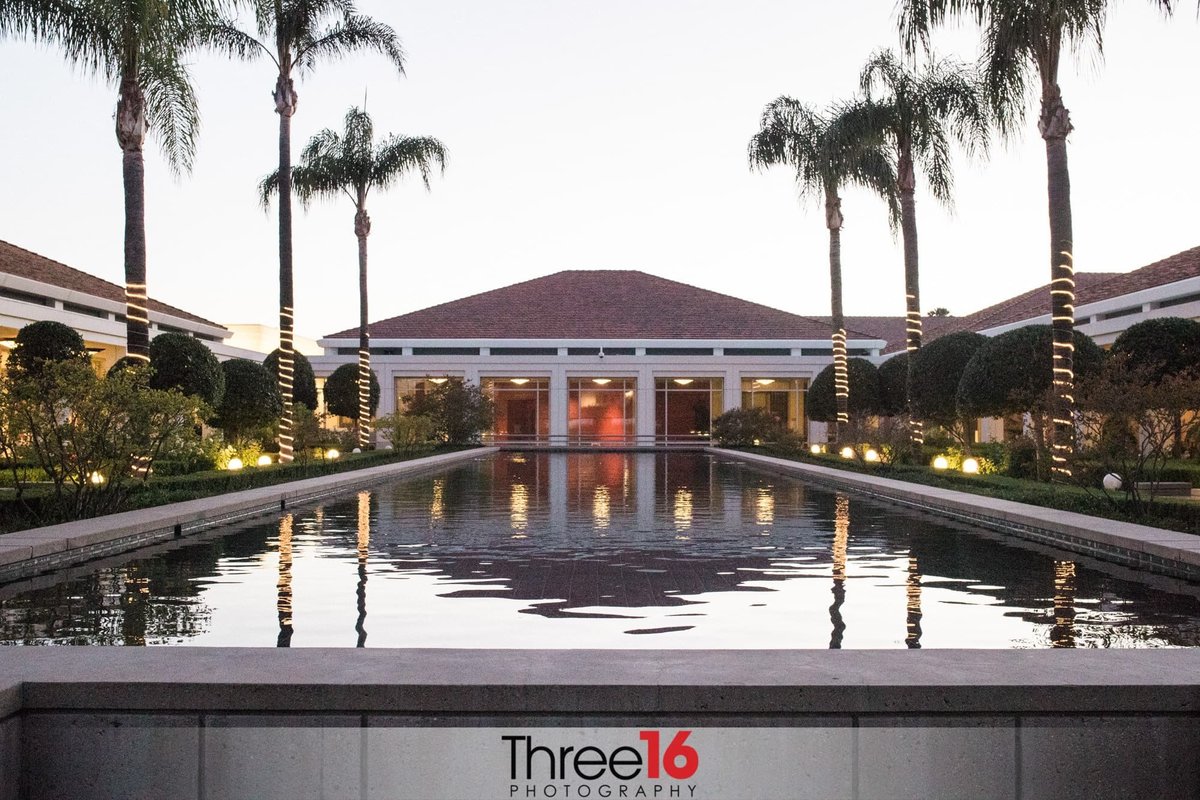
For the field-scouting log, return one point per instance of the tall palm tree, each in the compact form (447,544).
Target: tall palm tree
(827,152)
(137,45)
(351,163)
(1023,42)
(297,35)
(919,114)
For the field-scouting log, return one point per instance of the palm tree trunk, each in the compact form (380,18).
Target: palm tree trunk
(1055,125)
(362,228)
(912,287)
(131,135)
(285,106)
(841,377)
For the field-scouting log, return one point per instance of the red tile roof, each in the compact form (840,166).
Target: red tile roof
(25,264)
(1168,270)
(599,304)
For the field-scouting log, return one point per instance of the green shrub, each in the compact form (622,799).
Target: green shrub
(341,392)
(461,412)
(893,385)
(41,343)
(937,370)
(1168,345)
(304,382)
(408,433)
(864,391)
(745,427)
(251,401)
(182,363)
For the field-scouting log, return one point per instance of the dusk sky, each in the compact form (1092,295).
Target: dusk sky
(601,136)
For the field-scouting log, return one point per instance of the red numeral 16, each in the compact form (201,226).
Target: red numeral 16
(677,751)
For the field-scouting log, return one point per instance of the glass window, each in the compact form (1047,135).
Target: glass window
(684,408)
(416,387)
(522,408)
(783,398)
(601,409)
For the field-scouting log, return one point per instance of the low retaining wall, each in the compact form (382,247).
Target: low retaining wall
(1155,549)
(30,552)
(472,724)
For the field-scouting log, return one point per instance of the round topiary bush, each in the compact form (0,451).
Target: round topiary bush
(1012,372)
(341,392)
(820,402)
(182,363)
(937,370)
(893,385)
(743,427)
(1168,345)
(251,401)
(304,382)
(40,342)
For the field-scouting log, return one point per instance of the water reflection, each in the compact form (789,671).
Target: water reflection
(283,602)
(604,550)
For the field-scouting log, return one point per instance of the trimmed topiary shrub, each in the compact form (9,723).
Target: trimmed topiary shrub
(182,363)
(460,411)
(251,400)
(1012,372)
(864,391)
(304,382)
(937,370)
(41,342)
(893,385)
(1170,344)
(743,427)
(341,392)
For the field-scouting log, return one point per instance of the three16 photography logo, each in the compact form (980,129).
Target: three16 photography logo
(657,764)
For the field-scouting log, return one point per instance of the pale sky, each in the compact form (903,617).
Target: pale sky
(612,135)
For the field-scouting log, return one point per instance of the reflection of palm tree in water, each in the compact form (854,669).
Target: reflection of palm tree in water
(284,602)
(841,536)
(1063,632)
(364,541)
(912,591)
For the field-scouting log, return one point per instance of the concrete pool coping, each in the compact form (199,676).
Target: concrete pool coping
(599,682)
(29,552)
(1158,550)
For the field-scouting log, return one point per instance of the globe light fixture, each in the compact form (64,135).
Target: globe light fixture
(816,449)
(97,478)
(234,464)
(941,462)
(871,455)
(332,453)
(970,466)
(1112,482)
(264,460)
(847,452)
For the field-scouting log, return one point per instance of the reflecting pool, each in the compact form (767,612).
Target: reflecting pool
(606,550)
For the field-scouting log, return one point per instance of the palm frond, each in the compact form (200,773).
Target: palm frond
(352,34)
(171,109)
(397,156)
(268,187)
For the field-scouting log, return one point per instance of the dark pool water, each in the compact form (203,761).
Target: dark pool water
(608,550)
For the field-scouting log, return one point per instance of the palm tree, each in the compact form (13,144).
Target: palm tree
(1022,42)
(352,163)
(138,45)
(919,114)
(297,35)
(827,152)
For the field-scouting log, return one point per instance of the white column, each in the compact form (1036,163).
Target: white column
(387,389)
(558,405)
(732,390)
(644,422)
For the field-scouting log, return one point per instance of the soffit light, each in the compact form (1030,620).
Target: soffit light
(438,381)
(764,381)
(683,381)
(520,381)
(9,343)
(602,381)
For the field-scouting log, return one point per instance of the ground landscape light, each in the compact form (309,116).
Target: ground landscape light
(234,464)
(871,455)
(332,453)
(816,449)
(941,462)
(1112,481)
(970,466)
(847,452)
(97,478)
(264,460)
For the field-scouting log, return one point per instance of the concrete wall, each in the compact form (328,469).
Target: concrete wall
(232,723)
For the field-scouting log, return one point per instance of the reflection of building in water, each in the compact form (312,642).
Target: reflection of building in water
(437,502)
(1063,632)
(682,509)
(518,505)
(283,603)
(841,540)
(364,545)
(764,506)
(912,591)
(601,508)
